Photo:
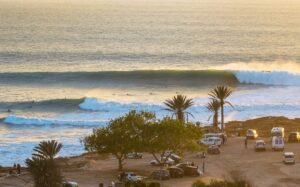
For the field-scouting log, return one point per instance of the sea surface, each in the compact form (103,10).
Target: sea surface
(68,66)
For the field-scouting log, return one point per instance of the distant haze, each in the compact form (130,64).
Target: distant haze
(100,35)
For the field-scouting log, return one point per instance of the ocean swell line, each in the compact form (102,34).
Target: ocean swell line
(156,77)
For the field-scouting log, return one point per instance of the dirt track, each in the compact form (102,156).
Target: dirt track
(262,169)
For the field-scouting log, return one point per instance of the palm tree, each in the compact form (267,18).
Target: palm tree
(43,167)
(47,149)
(221,93)
(214,106)
(45,172)
(178,105)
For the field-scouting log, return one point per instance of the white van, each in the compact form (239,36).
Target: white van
(223,136)
(277,143)
(277,131)
(211,141)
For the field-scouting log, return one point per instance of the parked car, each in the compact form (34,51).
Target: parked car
(134,155)
(251,134)
(260,145)
(164,160)
(223,136)
(277,143)
(161,174)
(176,158)
(277,131)
(211,141)
(289,158)
(189,169)
(294,137)
(130,176)
(70,184)
(213,149)
(173,156)
(176,172)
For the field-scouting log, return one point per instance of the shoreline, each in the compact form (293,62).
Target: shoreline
(262,124)
(89,169)
(234,161)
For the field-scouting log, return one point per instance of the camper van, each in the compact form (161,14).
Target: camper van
(251,134)
(277,143)
(277,131)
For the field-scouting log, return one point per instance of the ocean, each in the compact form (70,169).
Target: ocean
(69,66)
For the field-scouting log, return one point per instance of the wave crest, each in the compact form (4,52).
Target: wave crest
(281,78)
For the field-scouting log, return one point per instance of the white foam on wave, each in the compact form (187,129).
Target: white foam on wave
(282,78)
(260,66)
(96,104)
(267,101)
(70,128)
(76,119)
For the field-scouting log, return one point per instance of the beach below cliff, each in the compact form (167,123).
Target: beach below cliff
(259,168)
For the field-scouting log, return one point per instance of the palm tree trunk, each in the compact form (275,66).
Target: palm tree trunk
(180,116)
(222,115)
(216,119)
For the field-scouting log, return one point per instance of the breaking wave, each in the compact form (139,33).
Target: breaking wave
(248,104)
(72,119)
(158,78)
(268,78)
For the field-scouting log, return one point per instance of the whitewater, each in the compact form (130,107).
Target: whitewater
(256,94)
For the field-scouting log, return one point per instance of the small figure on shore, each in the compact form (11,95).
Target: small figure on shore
(223,139)
(246,142)
(192,164)
(18,169)
(203,155)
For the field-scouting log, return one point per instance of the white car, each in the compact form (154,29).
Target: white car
(211,141)
(173,156)
(223,136)
(289,158)
(277,143)
(209,135)
(260,145)
(134,155)
(70,184)
(168,161)
(130,176)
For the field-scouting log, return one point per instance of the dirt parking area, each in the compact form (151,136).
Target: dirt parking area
(262,169)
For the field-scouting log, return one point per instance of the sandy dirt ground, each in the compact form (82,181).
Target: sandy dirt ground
(262,169)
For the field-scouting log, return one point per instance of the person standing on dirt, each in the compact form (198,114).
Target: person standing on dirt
(18,169)
(223,139)
(246,142)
